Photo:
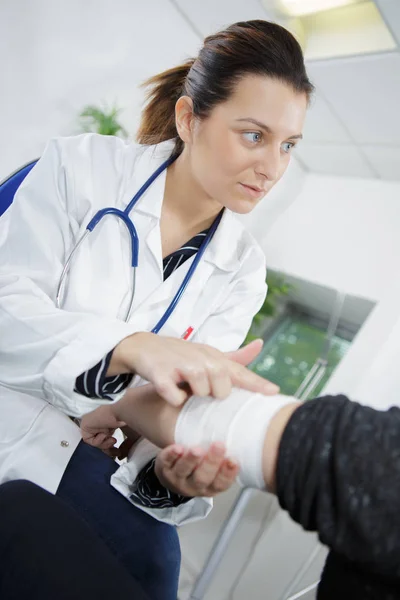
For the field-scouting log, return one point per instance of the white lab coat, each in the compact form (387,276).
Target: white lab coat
(43,349)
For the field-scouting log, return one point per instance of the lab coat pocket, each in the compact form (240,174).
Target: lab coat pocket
(197,303)
(18,413)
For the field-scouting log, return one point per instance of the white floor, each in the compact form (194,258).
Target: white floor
(245,572)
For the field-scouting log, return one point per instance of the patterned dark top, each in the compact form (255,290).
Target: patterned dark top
(338,473)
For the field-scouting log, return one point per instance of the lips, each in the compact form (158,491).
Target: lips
(253,190)
(254,187)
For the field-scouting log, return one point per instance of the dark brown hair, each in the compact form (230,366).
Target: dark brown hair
(246,48)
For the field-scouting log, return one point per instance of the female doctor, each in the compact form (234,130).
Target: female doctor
(216,134)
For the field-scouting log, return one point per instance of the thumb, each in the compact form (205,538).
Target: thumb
(247,354)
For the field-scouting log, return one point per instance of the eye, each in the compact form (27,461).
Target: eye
(254,137)
(287,146)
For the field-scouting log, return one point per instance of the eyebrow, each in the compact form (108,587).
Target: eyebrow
(298,136)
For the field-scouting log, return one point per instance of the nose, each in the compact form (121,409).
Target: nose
(269,164)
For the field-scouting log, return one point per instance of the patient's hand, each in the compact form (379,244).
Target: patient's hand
(195,472)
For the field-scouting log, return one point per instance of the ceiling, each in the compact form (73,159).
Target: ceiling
(353,125)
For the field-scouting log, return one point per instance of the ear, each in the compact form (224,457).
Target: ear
(184,118)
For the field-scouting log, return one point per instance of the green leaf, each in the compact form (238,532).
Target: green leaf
(101,120)
(277,287)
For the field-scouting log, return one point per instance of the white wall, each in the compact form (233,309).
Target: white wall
(344,233)
(55,57)
(369,372)
(380,386)
(340,232)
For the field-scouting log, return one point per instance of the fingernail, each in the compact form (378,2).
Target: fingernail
(218,448)
(196,452)
(231,464)
(272,388)
(178,450)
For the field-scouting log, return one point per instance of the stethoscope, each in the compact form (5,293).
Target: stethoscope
(124,216)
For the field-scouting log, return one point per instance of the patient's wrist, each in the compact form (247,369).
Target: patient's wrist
(240,421)
(272,441)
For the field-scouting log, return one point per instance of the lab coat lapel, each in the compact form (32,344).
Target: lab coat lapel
(153,295)
(207,283)
(154,306)
(146,217)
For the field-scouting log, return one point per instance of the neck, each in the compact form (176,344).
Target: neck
(185,199)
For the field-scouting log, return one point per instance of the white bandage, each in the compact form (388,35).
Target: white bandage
(240,422)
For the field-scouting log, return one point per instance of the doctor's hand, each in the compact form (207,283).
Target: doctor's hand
(170,362)
(98,428)
(194,471)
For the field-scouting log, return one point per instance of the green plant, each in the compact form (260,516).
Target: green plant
(101,120)
(277,287)
(292,349)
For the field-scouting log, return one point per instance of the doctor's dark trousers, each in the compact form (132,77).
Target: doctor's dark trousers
(47,552)
(148,549)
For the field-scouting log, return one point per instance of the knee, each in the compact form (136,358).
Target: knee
(15,506)
(165,561)
(13,493)
(164,554)
(172,548)
(167,547)
(19,500)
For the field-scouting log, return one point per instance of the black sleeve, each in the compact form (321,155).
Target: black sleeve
(338,473)
(93,383)
(148,491)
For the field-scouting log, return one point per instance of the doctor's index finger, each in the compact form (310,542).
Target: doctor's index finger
(170,390)
(246,379)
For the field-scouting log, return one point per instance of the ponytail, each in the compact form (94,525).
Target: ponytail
(254,47)
(158,117)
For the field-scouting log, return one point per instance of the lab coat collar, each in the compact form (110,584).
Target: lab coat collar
(150,158)
(223,250)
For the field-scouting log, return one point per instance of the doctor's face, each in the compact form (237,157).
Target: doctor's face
(243,148)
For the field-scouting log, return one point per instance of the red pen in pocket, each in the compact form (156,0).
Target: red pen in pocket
(187,333)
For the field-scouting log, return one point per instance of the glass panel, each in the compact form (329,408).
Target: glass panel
(291,351)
